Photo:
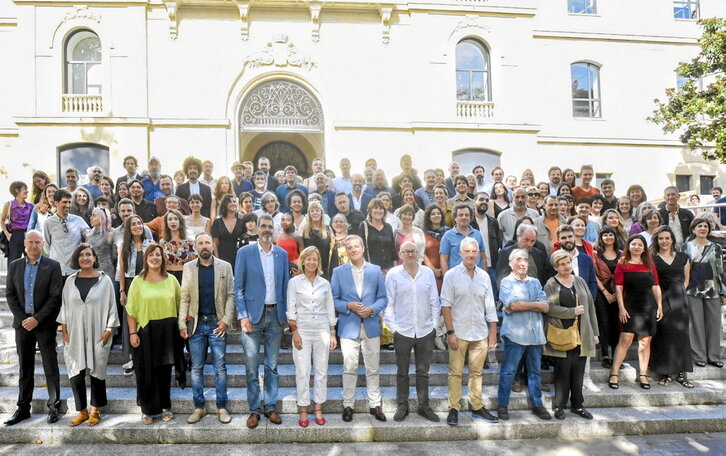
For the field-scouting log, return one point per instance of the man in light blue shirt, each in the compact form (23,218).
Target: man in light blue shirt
(450,241)
(522,332)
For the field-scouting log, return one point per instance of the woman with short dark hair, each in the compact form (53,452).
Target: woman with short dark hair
(88,317)
(378,238)
(227,230)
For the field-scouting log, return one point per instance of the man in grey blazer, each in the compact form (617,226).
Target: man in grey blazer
(205,315)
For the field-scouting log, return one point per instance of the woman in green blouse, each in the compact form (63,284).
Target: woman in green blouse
(152,306)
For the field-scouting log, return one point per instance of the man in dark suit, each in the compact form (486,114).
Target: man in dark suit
(342,206)
(358,198)
(526,237)
(263,164)
(192,167)
(130,165)
(676,217)
(491,234)
(34,291)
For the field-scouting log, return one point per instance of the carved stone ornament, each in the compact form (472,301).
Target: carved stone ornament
(386,12)
(281,105)
(172,9)
(315,7)
(279,53)
(472,21)
(81,12)
(244,16)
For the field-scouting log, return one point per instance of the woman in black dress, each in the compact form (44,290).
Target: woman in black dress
(378,238)
(639,306)
(318,234)
(671,345)
(606,259)
(227,230)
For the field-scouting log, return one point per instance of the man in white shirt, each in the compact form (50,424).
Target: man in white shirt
(467,305)
(343,183)
(412,315)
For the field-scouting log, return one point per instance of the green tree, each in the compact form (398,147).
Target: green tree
(700,113)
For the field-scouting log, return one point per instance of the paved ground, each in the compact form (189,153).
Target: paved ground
(673,444)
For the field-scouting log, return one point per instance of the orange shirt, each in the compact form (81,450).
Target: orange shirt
(552,225)
(580,193)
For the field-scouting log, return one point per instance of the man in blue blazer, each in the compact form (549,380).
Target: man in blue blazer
(359,292)
(260,289)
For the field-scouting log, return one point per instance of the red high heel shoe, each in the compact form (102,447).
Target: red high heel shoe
(303,422)
(321,419)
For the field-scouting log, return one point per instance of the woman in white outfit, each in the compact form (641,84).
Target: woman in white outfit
(311,316)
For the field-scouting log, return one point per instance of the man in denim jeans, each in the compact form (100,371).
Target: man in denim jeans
(205,315)
(522,332)
(261,274)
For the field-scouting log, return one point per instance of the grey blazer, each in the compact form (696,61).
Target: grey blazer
(223,293)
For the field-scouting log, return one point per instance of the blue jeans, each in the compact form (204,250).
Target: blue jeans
(493,277)
(204,337)
(269,331)
(513,353)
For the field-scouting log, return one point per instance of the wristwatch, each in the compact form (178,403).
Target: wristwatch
(449,332)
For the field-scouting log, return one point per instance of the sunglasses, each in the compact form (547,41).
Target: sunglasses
(65,225)
(532,194)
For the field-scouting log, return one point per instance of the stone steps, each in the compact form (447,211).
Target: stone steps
(123,400)
(128,429)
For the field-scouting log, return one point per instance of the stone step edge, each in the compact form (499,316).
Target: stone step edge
(126,429)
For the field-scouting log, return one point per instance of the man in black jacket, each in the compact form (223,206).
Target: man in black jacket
(673,215)
(526,237)
(34,289)
(490,232)
(192,168)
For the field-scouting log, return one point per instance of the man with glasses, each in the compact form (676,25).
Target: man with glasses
(412,314)
(261,275)
(63,232)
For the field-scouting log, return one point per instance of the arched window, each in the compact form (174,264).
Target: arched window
(472,72)
(585,89)
(83,63)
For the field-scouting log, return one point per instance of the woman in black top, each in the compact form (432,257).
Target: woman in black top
(378,237)
(607,254)
(227,230)
(318,234)
(250,235)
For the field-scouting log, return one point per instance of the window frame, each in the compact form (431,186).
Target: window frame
(591,101)
(693,6)
(486,71)
(592,7)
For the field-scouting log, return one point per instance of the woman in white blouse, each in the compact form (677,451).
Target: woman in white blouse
(311,316)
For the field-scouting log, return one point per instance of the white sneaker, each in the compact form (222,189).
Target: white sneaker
(129,365)
(587,383)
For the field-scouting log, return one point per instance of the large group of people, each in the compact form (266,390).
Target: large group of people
(557,272)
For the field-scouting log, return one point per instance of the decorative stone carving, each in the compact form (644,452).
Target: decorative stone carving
(244,15)
(171,11)
(281,105)
(315,7)
(474,22)
(279,53)
(81,12)
(386,12)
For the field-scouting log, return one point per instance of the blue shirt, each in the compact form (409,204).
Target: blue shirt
(426,197)
(31,271)
(282,192)
(522,327)
(450,245)
(591,231)
(206,290)
(721,210)
(152,190)
(245,186)
(93,190)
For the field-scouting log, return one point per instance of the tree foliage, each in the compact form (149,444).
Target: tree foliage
(700,112)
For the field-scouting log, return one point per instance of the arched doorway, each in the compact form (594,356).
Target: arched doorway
(282,120)
(283,153)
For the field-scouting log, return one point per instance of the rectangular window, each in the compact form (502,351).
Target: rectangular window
(581,7)
(686,9)
(706,184)
(682,80)
(683,182)
(599,177)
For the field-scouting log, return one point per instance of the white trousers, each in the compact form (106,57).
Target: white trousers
(315,337)
(351,349)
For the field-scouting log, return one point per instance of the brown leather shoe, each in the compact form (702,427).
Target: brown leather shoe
(273,417)
(253,420)
(377,412)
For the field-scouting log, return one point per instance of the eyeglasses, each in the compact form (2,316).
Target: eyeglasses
(408,252)
(532,194)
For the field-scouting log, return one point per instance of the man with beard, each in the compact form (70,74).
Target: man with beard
(450,181)
(143,207)
(263,164)
(317,167)
(240,182)
(95,173)
(426,193)
(480,175)
(205,315)
(342,206)
(548,223)
(152,189)
(509,217)
(358,198)
(608,191)
(192,168)
(490,233)
(130,165)
(555,175)
(261,274)
(166,184)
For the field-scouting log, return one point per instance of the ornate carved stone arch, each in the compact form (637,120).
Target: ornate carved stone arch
(281,105)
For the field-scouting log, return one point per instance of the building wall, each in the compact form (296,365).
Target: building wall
(174,93)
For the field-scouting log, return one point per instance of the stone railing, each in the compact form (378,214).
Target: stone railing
(82,103)
(474,109)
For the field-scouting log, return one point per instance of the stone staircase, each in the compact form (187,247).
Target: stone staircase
(629,410)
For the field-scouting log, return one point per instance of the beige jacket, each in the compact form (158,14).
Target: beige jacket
(223,293)
(543,233)
(588,320)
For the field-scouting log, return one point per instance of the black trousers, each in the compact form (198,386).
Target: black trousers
(423,348)
(98,391)
(608,324)
(158,397)
(16,248)
(25,343)
(569,373)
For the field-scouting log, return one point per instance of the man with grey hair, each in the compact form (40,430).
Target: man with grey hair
(95,173)
(359,199)
(152,184)
(509,217)
(524,301)
(317,166)
(467,302)
(412,314)
(677,218)
(327,195)
(526,238)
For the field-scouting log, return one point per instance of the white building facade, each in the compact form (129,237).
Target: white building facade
(517,83)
